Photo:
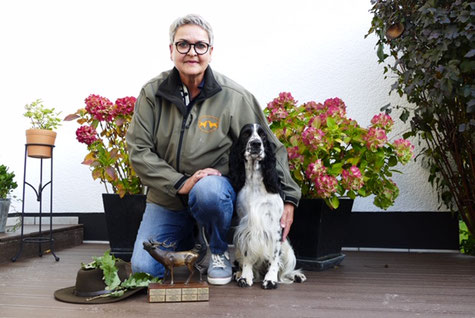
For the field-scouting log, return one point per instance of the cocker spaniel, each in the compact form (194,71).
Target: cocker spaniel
(259,250)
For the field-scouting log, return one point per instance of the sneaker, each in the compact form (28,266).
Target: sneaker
(220,269)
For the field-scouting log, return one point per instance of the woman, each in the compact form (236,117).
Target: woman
(184,124)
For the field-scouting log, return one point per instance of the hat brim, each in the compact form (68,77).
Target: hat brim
(67,295)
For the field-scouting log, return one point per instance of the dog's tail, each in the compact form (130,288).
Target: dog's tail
(288,274)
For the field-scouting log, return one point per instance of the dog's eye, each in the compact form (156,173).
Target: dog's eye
(246,134)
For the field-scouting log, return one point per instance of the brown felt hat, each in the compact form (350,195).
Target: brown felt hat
(90,283)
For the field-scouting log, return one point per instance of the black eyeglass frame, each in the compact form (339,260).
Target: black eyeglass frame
(194,47)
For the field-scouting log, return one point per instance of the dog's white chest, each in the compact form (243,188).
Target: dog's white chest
(260,205)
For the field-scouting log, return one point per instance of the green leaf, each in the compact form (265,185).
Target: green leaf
(351,194)
(408,134)
(297,175)
(139,280)
(467,66)
(392,161)
(363,192)
(386,108)
(380,53)
(331,123)
(334,202)
(335,169)
(396,171)
(107,264)
(353,161)
(404,115)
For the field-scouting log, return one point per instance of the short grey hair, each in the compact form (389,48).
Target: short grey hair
(191,19)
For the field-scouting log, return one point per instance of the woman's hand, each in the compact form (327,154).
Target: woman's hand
(287,219)
(197,176)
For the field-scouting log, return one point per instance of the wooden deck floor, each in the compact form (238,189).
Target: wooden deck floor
(367,284)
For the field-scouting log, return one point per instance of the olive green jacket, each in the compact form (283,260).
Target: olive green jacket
(168,141)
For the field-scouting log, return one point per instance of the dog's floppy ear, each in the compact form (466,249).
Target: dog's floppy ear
(237,172)
(271,179)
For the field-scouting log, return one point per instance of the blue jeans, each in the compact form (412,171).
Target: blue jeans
(211,204)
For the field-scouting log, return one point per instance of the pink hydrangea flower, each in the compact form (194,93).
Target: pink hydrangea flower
(313,107)
(279,106)
(295,158)
(100,107)
(335,106)
(387,194)
(325,185)
(278,113)
(124,106)
(315,169)
(313,138)
(352,179)
(316,133)
(293,152)
(86,135)
(391,190)
(382,121)
(323,117)
(404,150)
(375,138)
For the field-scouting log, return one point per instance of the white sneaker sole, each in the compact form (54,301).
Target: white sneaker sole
(219,280)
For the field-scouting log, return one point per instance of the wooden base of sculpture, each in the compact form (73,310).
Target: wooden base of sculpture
(178,292)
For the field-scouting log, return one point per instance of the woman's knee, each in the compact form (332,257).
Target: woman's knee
(212,192)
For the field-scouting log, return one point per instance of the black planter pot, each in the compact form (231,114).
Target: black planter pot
(123,217)
(317,233)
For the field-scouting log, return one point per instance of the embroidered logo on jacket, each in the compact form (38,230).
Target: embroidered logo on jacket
(208,124)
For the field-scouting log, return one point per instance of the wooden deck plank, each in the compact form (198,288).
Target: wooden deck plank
(367,284)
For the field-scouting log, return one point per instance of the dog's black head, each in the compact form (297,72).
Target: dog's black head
(253,138)
(253,144)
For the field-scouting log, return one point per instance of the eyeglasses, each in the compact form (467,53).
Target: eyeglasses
(184,47)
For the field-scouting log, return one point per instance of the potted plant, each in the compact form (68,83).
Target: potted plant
(332,157)
(43,121)
(432,59)
(103,128)
(7,185)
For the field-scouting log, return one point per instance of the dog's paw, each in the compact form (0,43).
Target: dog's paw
(237,275)
(242,282)
(300,278)
(269,284)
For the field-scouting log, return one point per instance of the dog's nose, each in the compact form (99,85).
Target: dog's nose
(255,144)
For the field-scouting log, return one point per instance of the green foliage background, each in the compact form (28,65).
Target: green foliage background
(433,60)
(7,182)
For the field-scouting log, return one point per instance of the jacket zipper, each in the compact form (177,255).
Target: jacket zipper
(180,142)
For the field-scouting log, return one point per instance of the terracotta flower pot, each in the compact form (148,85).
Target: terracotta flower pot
(41,137)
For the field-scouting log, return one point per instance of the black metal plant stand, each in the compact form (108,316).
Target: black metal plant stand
(40,239)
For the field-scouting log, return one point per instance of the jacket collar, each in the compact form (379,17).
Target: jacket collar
(169,89)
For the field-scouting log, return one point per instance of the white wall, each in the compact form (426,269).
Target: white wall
(62,51)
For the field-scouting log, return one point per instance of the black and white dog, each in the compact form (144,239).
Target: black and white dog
(258,237)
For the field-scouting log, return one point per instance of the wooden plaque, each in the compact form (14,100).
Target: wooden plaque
(178,292)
